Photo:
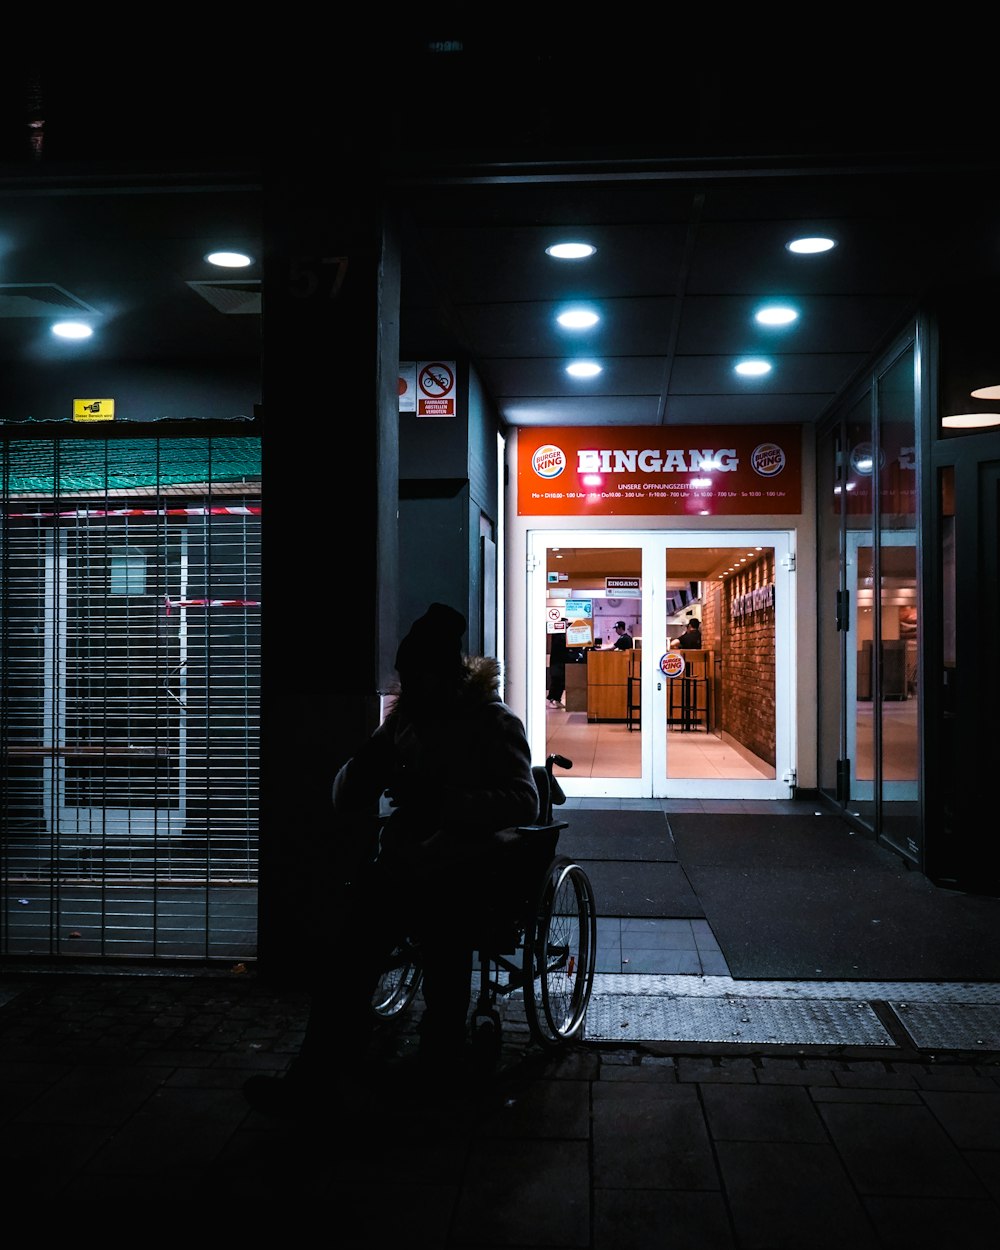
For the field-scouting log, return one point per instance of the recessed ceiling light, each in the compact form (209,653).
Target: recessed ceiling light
(810,246)
(570,251)
(753,368)
(583,369)
(776,315)
(229,260)
(986,392)
(578,318)
(971,420)
(72,330)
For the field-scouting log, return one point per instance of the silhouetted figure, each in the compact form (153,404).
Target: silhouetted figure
(691,638)
(453,763)
(624,640)
(557,669)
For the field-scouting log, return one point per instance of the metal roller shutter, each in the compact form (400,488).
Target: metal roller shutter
(129,711)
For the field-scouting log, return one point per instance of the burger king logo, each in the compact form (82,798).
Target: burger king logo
(549,461)
(767,459)
(672,664)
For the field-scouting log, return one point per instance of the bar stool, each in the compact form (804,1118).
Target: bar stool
(633,696)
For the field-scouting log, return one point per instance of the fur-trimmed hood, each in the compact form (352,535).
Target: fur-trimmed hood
(479,683)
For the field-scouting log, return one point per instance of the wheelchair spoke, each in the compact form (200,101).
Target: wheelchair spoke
(564,952)
(397,986)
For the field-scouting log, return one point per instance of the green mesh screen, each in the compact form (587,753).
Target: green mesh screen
(104,465)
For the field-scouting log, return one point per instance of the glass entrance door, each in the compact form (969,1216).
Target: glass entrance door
(637,715)
(882,694)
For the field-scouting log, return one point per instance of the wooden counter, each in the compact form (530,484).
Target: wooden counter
(576,687)
(607,682)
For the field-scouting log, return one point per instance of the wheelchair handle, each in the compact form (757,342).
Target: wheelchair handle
(556,795)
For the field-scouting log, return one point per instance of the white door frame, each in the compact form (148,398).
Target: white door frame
(864,791)
(653,782)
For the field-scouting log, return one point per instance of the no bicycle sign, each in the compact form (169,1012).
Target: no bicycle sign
(436,389)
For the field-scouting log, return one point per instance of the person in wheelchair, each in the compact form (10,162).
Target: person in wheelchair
(452,762)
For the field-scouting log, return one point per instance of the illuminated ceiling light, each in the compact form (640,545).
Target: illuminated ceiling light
(971,420)
(753,368)
(72,330)
(810,246)
(229,260)
(583,369)
(776,315)
(986,392)
(570,251)
(578,318)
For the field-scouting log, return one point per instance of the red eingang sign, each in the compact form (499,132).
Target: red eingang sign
(643,470)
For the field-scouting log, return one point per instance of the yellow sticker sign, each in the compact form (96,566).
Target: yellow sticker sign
(93,410)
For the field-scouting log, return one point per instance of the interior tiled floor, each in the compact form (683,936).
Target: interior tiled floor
(606,749)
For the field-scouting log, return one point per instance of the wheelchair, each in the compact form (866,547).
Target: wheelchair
(541,944)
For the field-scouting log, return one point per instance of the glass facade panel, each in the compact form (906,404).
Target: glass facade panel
(869,628)
(898,618)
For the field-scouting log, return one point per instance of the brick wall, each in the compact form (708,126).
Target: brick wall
(747,705)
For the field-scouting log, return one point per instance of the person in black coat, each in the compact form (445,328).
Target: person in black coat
(453,765)
(557,669)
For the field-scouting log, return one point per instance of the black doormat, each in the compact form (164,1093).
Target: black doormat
(804,898)
(619,835)
(641,890)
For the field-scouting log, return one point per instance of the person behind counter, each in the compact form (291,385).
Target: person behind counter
(624,640)
(691,638)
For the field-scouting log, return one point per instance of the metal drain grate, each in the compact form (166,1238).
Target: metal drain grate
(950,1026)
(637,1018)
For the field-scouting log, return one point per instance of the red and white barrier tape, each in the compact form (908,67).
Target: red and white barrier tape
(105,512)
(210,603)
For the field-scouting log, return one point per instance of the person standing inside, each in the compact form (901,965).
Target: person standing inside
(624,640)
(691,638)
(557,668)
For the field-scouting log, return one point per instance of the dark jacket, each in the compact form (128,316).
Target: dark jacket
(691,640)
(456,773)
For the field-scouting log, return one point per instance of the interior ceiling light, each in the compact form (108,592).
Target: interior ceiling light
(776,315)
(753,368)
(570,251)
(229,260)
(986,392)
(72,330)
(971,420)
(578,318)
(810,246)
(583,369)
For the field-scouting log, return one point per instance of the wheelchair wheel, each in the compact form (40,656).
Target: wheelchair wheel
(397,986)
(559,955)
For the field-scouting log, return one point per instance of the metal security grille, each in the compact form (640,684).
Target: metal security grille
(129,709)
